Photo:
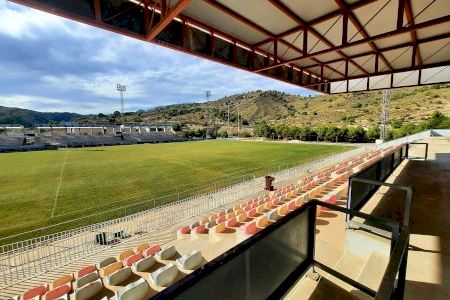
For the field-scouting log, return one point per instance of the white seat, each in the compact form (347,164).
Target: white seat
(89,290)
(143,264)
(190,261)
(134,291)
(88,278)
(166,253)
(164,276)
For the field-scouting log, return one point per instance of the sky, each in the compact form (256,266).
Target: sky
(49,63)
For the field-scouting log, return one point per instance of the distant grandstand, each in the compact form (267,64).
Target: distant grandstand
(18,138)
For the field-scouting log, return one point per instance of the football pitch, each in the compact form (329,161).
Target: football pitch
(42,188)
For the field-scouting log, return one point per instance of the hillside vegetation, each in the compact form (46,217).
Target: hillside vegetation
(361,108)
(26,117)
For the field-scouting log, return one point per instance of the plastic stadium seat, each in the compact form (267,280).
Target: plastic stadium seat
(292,205)
(193,225)
(143,264)
(230,210)
(268,205)
(211,224)
(222,219)
(200,229)
(185,230)
(151,251)
(36,291)
(218,228)
(262,221)
(58,292)
(110,269)
(249,228)
(277,201)
(134,291)
(86,270)
(105,262)
(118,276)
(130,260)
(273,215)
(88,278)
(231,223)
(141,247)
(68,278)
(89,290)
(190,261)
(125,254)
(212,218)
(204,221)
(247,208)
(222,213)
(252,213)
(166,253)
(164,276)
(230,215)
(242,218)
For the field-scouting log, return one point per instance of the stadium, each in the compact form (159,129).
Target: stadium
(320,221)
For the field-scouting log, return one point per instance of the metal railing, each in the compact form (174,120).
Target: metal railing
(25,259)
(405,140)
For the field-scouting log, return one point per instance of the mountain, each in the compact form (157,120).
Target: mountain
(26,117)
(359,108)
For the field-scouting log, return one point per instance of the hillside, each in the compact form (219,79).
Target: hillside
(407,104)
(26,117)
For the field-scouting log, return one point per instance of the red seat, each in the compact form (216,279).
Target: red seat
(200,229)
(247,208)
(221,219)
(185,230)
(252,213)
(86,270)
(292,205)
(250,228)
(132,259)
(231,223)
(151,251)
(58,292)
(222,213)
(37,291)
(277,201)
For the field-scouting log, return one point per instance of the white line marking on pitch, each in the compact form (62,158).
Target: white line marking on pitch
(59,184)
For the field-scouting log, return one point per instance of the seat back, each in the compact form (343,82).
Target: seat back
(134,291)
(167,253)
(106,262)
(164,276)
(141,247)
(88,278)
(89,290)
(58,292)
(125,254)
(36,291)
(61,280)
(110,269)
(86,270)
(152,250)
(132,259)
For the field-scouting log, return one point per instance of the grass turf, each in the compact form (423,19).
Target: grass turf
(46,187)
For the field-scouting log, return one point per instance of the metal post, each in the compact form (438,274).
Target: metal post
(385,114)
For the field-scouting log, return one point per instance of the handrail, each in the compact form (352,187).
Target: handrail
(396,265)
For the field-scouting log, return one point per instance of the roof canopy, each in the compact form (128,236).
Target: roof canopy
(331,46)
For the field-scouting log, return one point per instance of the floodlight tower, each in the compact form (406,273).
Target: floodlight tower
(206,113)
(121,88)
(385,114)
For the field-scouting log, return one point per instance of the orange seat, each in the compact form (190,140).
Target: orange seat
(151,251)
(34,292)
(58,292)
(86,270)
(141,247)
(125,254)
(132,259)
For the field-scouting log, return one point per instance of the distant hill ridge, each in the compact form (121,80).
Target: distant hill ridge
(360,108)
(26,117)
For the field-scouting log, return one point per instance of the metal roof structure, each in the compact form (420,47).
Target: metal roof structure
(330,46)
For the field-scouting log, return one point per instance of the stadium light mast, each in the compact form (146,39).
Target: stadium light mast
(385,114)
(121,88)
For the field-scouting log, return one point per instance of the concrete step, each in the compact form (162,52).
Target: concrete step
(349,265)
(302,289)
(373,271)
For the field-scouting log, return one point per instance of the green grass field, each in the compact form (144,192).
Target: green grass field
(47,187)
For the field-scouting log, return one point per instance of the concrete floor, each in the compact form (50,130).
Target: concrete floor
(428,272)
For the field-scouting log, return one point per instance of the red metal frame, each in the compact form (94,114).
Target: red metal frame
(345,11)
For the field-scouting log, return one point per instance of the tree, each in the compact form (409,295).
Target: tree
(100,115)
(117,114)
(356,134)
(176,127)
(373,133)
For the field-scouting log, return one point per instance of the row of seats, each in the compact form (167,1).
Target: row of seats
(326,185)
(89,281)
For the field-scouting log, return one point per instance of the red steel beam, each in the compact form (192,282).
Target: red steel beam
(171,13)
(410,19)
(258,28)
(343,6)
(426,24)
(389,48)
(303,24)
(321,19)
